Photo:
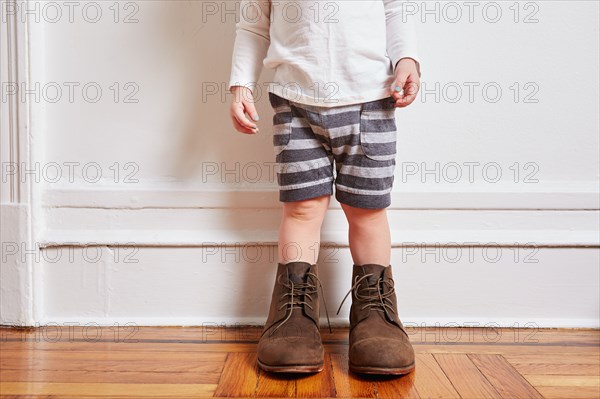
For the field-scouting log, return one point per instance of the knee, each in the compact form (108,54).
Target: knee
(307,210)
(363,216)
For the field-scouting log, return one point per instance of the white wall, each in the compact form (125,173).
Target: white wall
(194,226)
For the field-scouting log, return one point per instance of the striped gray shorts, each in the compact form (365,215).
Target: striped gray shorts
(360,139)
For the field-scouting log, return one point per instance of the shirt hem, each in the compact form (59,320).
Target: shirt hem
(293,96)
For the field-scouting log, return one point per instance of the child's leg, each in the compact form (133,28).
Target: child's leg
(378,342)
(290,341)
(300,229)
(368,235)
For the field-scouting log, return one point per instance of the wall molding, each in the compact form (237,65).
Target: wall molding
(11,73)
(167,215)
(17,293)
(582,195)
(249,227)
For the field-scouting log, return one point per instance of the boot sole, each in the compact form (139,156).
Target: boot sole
(298,368)
(381,370)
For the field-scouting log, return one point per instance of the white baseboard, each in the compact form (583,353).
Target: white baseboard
(193,259)
(550,287)
(414,322)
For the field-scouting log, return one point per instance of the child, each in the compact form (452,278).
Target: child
(341,69)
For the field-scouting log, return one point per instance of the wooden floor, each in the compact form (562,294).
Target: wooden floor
(173,362)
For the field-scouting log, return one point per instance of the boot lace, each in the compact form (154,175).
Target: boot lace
(376,300)
(295,291)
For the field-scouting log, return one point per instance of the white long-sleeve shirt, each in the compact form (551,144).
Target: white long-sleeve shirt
(325,53)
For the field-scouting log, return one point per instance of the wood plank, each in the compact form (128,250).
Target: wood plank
(210,333)
(349,384)
(553,358)
(239,376)
(120,397)
(513,336)
(569,392)
(129,347)
(199,377)
(276,385)
(489,348)
(563,380)
(503,377)
(557,368)
(66,361)
(397,387)
(465,376)
(505,350)
(317,385)
(337,348)
(99,389)
(430,380)
(115,355)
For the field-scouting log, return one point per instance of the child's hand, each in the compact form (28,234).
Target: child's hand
(407,78)
(243,101)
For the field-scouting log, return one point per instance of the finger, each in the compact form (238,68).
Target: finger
(404,101)
(398,86)
(251,111)
(412,86)
(243,120)
(396,90)
(409,94)
(246,99)
(240,128)
(407,99)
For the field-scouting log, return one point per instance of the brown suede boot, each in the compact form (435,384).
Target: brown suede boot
(290,340)
(379,343)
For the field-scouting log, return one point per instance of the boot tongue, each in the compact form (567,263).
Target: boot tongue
(375,270)
(297,271)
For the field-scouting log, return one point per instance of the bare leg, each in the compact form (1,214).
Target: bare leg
(300,229)
(369,235)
